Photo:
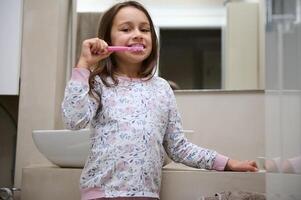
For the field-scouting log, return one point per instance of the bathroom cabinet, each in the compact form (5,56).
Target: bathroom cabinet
(178,183)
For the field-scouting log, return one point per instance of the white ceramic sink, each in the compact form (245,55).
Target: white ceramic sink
(65,148)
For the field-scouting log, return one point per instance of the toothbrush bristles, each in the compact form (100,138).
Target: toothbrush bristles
(138,48)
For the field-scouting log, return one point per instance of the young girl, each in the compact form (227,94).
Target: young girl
(132,113)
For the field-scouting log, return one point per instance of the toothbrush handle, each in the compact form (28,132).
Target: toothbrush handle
(118,48)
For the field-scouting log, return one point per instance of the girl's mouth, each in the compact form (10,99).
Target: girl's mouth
(137,45)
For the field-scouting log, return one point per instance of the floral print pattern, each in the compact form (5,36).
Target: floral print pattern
(139,120)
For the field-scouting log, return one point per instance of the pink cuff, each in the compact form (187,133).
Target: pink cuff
(81,75)
(92,193)
(220,162)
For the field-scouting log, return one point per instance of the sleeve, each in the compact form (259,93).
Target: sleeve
(78,108)
(180,150)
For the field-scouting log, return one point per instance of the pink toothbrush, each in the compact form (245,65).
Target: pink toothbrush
(125,48)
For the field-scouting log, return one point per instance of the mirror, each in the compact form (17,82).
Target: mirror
(191,58)
(203,45)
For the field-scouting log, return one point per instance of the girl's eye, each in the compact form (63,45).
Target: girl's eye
(145,30)
(125,30)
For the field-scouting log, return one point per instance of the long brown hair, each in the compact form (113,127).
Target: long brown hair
(106,67)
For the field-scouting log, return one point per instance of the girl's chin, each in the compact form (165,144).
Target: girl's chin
(133,57)
(138,57)
(137,53)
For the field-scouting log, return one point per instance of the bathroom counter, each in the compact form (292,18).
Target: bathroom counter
(178,182)
(181,182)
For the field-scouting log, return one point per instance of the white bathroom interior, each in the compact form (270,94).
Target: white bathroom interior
(237,65)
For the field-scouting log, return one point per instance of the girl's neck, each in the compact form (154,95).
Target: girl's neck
(128,71)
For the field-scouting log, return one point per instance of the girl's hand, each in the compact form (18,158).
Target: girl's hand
(93,50)
(241,166)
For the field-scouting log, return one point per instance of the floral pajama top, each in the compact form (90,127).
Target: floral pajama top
(139,120)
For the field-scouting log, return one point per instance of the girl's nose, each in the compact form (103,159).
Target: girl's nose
(137,34)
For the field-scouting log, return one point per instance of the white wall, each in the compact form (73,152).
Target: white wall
(190,13)
(231,122)
(10,46)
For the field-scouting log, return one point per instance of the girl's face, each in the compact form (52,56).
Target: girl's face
(131,27)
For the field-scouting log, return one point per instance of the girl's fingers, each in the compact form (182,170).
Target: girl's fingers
(94,50)
(253,169)
(102,51)
(99,41)
(252,163)
(252,166)
(97,46)
(103,47)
